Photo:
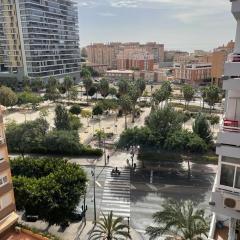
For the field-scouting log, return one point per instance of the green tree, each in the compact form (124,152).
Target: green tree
(104,87)
(27,137)
(87,82)
(134,93)
(61,120)
(112,91)
(86,114)
(29,97)
(188,93)
(52,93)
(163,122)
(7,97)
(100,134)
(140,83)
(85,73)
(180,220)
(202,128)
(54,194)
(75,122)
(92,91)
(110,228)
(123,87)
(73,93)
(97,110)
(212,96)
(126,106)
(37,84)
(68,84)
(52,82)
(75,109)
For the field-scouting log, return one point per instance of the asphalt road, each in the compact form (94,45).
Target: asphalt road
(148,193)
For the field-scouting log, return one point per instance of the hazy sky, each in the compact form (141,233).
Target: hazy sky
(179,24)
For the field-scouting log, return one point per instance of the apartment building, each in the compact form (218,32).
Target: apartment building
(135,59)
(219,57)
(195,74)
(225,197)
(8,217)
(116,75)
(102,54)
(40,38)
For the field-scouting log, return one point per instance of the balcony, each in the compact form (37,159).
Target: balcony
(229,133)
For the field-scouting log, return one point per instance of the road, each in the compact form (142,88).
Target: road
(147,194)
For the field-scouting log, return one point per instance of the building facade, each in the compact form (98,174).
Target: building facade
(219,57)
(194,74)
(106,54)
(8,217)
(40,38)
(135,59)
(116,75)
(225,197)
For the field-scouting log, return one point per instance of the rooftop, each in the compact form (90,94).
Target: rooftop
(121,71)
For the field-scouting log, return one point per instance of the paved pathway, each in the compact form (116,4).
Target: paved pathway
(116,194)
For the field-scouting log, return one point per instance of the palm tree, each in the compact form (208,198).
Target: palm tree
(109,228)
(126,106)
(87,82)
(179,219)
(104,87)
(123,87)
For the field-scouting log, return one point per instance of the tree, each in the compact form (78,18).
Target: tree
(188,93)
(100,134)
(87,82)
(52,93)
(126,106)
(85,73)
(7,97)
(75,109)
(92,91)
(73,93)
(180,220)
(37,84)
(61,120)
(104,87)
(86,114)
(68,84)
(112,91)
(141,85)
(26,137)
(97,110)
(75,122)
(212,96)
(52,82)
(163,122)
(202,129)
(62,142)
(48,187)
(123,87)
(134,93)
(29,97)
(162,94)
(110,228)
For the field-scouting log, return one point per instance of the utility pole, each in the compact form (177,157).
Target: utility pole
(94,194)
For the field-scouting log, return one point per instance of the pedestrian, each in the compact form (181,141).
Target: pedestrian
(108,157)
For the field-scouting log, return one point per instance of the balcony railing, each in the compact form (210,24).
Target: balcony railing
(231,125)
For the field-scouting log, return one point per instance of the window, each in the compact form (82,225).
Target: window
(3,180)
(227,175)
(237,179)
(5,200)
(1,157)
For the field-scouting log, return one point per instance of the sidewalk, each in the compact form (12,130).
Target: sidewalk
(85,232)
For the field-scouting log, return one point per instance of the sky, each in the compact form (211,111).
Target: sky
(179,24)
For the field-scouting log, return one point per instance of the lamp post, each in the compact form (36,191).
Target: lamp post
(104,148)
(134,149)
(94,188)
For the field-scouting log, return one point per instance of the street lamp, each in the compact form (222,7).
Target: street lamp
(94,188)
(104,148)
(134,149)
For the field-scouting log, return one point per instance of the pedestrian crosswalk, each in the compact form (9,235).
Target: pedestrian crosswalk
(116,194)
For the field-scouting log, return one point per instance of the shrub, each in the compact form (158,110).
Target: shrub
(97,110)
(75,109)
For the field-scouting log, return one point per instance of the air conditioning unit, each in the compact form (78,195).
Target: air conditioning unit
(232,203)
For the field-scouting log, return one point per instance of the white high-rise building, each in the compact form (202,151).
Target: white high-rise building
(225,198)
(39,38)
